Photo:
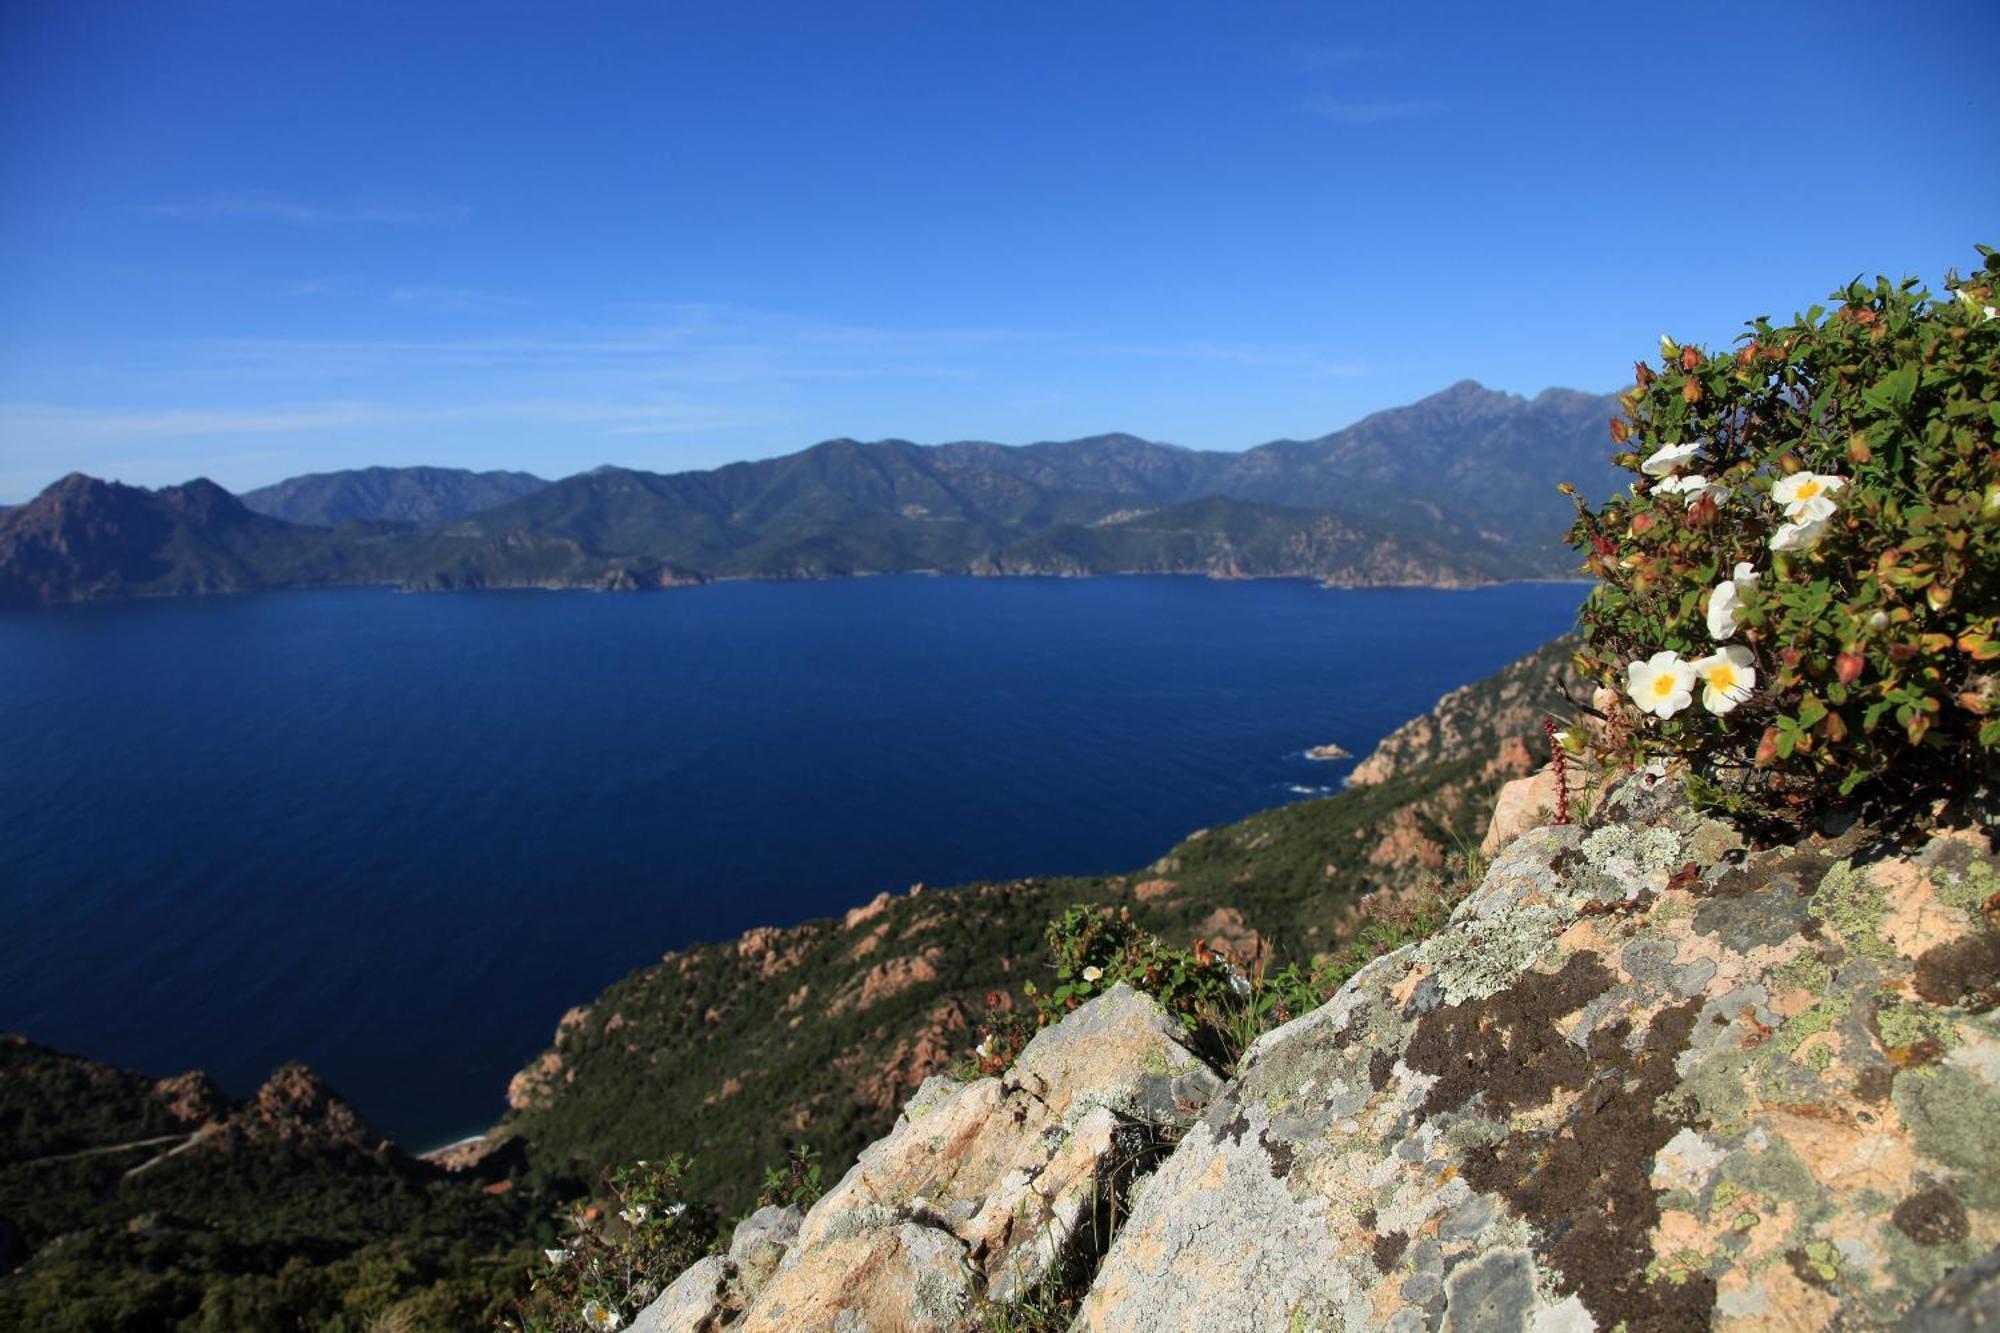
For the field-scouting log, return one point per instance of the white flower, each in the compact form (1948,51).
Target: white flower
(1972,300)
(1667,347)
(1662,684)
(1668,458)
(556,1256)
(984,1050)
(634,1215)
(1727,677)
(1093,974)
(1691,488)
(599,1317)
(1807,496)
(1727,599)
(1879,621)
(1798,536)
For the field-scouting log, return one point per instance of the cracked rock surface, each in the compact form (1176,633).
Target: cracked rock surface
(1643,1079)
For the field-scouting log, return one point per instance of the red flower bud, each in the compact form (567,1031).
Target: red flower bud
(1849,665)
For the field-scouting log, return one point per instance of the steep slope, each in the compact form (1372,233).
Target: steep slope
(1648,1077)
(817,1032)
(84,538)
(1468,466)
(422,495)
(132,1203)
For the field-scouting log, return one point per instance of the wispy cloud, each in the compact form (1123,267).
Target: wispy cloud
(313,286)
(451,300)
(1344,111)
(257,206)
(53,424)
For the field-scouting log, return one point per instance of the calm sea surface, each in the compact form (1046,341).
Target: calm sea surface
(396,836)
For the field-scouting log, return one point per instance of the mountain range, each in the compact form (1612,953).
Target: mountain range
(1458,488)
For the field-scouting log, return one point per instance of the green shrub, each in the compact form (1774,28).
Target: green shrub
(797,1182)
(1224,1007)
(1800,593)
(620,1253)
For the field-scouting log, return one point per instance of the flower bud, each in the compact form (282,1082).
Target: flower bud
(1858,451)
(1767,748)
(1690,358)
(1848,667)
(1691,390)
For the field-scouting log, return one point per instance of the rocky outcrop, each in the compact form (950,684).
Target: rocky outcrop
(1478,719)
(1647,1077)
(979,1190)
(1644,1079)
(296,1107)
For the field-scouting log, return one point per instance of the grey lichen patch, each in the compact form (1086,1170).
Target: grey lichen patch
(1952,1115)
(858,1221)
(1714,1088)
(1494,1294)
(1767,915)
(1621,860)
(1481,954)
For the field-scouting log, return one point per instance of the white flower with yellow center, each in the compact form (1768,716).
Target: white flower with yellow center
(1727,677)
(634,1215)
(1662,684)
(1668,458)
(1798,536)
(598,1316)
(1093,975)
(1727,600)
(1807,496)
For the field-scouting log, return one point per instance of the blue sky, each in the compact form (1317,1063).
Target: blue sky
(247,241)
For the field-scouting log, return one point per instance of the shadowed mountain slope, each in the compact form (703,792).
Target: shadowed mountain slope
(389,494)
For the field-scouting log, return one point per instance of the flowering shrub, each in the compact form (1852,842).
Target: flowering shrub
(1800,593)
(1224,1007)
(1093,949)
(619,1256)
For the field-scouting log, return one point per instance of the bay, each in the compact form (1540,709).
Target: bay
(396,836)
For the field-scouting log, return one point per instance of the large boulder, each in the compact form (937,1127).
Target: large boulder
(1644,1079)
(977,1192)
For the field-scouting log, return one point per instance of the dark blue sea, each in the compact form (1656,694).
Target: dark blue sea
(396,836)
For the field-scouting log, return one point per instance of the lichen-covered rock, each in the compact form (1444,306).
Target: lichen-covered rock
(980,1188)
(1645,1079)
(698,1301)
(713,1292)
(761,1242)
(902,1278)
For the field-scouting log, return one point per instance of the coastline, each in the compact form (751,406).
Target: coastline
(1324,584)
